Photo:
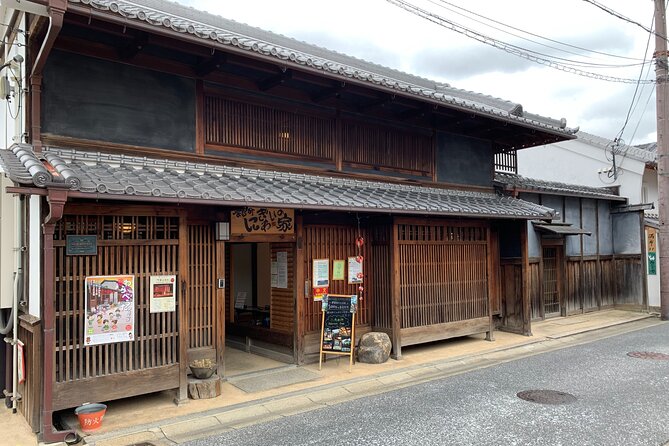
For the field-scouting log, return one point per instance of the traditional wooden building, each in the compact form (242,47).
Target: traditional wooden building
(590,256)
(205,168)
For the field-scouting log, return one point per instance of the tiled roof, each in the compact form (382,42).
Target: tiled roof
(105,175)
(216,30)
(513,181)
(639,153)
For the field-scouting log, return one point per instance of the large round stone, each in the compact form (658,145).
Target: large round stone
(374,348)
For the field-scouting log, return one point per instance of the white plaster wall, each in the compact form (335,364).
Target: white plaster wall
(578,162)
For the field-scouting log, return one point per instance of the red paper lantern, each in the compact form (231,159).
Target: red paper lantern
(361,288)
(359,259)
(359,242)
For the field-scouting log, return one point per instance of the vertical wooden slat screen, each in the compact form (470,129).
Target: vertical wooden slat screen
(282,308)
(137,245)
(237,124)
(536,302)
(380,270)
(550,290)
(386,147)
(334,243)
(607,281)
(506,161)
(202,264)
(443,273)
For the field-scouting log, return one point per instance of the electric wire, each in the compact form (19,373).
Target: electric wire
(511,49)
(529,33)
(622,17)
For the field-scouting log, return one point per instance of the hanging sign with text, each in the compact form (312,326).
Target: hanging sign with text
(255,221)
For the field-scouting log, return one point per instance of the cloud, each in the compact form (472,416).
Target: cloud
(461,62)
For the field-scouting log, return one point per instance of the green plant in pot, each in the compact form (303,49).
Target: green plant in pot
(202,368)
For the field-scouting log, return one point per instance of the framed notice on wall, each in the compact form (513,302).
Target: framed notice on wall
(162,294)
(320,277)
(110,309)
(355,270)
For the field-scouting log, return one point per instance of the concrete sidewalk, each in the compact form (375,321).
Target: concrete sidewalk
(155,419)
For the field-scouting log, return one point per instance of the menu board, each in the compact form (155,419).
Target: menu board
(338,326)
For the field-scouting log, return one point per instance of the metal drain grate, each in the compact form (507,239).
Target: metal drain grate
(546,396)
(649,355)
(144,443)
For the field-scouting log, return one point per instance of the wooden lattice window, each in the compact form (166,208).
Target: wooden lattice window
(379,146)
(236,124)
(506,161)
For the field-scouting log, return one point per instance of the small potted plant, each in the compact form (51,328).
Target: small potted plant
(202,368)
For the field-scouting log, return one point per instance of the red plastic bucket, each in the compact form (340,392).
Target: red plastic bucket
(90,416)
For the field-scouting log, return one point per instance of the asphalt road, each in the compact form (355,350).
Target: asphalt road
(621,400)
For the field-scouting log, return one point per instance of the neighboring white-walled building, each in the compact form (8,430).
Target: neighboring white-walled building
(589,161)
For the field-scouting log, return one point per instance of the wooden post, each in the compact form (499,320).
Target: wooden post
(299,291)
(644,262)
(527,327)
(395,304)
(489,276)
(199,117)
(219,306)
(182,392)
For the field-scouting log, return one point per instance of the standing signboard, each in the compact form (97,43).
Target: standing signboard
(338,326)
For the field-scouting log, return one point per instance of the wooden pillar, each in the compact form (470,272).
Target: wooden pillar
(491,285)
(395,303)
(526,306)
(299,291)
(56,200)
(220,305)
(199,117)
(182,391)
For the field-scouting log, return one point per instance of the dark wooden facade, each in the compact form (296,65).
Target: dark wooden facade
(425,278)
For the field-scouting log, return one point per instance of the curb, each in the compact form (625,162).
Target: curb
(217,421)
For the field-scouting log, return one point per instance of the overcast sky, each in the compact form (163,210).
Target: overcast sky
(380,32)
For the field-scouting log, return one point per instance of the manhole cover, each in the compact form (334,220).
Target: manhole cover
(546,396)
(649,355)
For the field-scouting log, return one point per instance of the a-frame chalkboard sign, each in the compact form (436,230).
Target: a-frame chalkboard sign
(338,326)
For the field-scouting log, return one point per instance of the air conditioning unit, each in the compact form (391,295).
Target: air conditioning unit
(9,239)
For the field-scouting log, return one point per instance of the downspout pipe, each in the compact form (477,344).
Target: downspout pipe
(56,200)
(56,9)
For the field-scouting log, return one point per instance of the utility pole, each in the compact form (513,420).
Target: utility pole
(662,97)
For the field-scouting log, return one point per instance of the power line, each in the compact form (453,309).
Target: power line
(511,49)
(528,33)
(622,17)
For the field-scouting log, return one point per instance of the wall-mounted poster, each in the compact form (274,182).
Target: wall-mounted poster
(651,251)
(355,270)
(110,309)
(321,277)
(338,270)
(282,269)
(163,294)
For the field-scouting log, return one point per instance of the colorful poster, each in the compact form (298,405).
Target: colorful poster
(110,309)
(321,278)
(338,270)
(163,294)
(651,235)
(355,270)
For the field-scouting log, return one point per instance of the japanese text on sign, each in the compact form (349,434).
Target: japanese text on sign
(262,221)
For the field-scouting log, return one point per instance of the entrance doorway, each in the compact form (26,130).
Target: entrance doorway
(261,299)
(552,279)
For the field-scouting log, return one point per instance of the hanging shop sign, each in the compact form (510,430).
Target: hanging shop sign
(255,221)
(162,294)
(652,251)
(81,245)
(355,270)
(110,309)
(338,326)
(321,277)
